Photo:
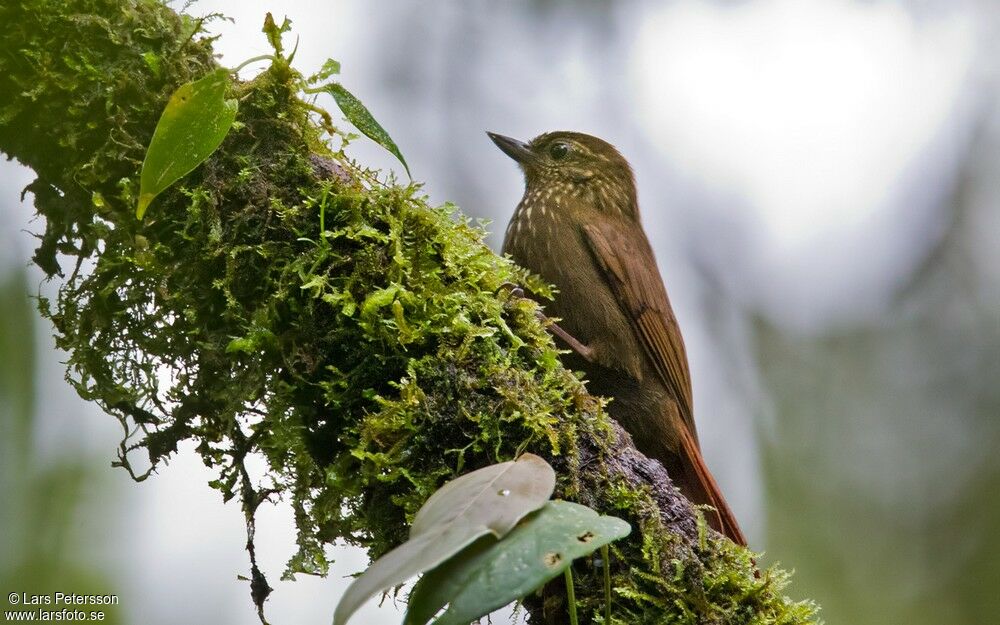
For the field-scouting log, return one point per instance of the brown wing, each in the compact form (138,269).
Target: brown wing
(630,267)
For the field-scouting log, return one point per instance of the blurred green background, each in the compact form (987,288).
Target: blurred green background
(47,521)
(821,182)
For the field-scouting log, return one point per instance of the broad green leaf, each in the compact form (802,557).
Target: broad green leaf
(357,114)
(489,501)
(490,574)
(437,587)
(194,123)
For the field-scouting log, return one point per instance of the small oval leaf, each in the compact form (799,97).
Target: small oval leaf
(358,114)
(192,126)
(490,574)
(457,514)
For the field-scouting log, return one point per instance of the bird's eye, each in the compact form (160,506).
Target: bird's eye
(558,150)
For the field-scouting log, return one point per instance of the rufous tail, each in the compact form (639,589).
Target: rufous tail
(699,486)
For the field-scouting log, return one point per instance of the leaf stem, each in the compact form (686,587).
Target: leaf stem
(571,595)
(262,57)
(322,213)
(605,557)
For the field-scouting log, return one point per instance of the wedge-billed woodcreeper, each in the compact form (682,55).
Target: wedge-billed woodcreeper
(578,228)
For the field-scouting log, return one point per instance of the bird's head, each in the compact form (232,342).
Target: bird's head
(574,165)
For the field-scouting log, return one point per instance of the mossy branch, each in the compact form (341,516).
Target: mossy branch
(282,301)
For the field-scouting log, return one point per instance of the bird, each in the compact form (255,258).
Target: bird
(578,228)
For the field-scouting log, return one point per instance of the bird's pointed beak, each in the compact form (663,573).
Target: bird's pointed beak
(517,150)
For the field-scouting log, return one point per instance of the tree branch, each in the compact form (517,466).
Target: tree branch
(367,363)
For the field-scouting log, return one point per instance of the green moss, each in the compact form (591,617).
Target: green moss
(309,312)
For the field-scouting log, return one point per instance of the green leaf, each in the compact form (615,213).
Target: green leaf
(491,573)
(274,32)
(154,62)
(380,298)
(489,501)
(194,123)
(330,67)
(437,587)
(357,114)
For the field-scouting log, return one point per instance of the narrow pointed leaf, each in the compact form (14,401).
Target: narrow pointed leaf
(274,32)
(358,114)
(195,121)
(479,580)
(489,501)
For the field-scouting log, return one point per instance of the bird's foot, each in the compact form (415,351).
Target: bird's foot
(586,352)
(514,291)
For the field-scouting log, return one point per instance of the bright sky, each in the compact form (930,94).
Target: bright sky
(813,112)
(810,109)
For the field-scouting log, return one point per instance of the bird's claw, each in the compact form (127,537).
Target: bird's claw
(584,351)
(514,291)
